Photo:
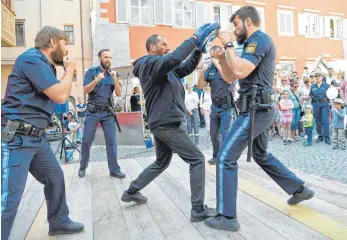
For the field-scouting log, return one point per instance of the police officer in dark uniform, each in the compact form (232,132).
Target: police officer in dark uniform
(31,91)
(222,100)
(255,67)
(99,83)
(321,110)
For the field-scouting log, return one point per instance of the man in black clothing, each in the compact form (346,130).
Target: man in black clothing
(159,75)
(135,100)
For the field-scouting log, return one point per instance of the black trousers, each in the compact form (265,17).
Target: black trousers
(173,137)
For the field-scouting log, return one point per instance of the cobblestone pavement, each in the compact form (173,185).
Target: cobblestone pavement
(320,159)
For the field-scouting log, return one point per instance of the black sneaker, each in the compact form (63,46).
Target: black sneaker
(73,227)
(327,141)
(222,223)
(212,161)
(198,217)
(81,172)
(335,147)
(320,139)
(137,198)
(117,174)
(285,142)
(306,194)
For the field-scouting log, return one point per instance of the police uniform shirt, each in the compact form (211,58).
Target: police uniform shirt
(103,91)
(24,100)
(319,92)
(261,51)
(219,88)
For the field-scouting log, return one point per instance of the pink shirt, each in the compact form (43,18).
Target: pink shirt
(287,106)
(343,91)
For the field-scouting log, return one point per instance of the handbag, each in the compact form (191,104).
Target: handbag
(302,113)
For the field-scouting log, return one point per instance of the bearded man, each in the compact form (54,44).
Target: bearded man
(99,83)
(29,103)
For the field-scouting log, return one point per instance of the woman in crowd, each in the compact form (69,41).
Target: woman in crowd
(205,106)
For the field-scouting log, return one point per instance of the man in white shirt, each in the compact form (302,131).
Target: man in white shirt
(331,76)
(193,120)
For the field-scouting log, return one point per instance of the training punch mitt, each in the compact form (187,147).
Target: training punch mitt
(209,34)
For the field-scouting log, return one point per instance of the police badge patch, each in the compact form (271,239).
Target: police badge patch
(251,48)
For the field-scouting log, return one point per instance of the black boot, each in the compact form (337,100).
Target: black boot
(81,172)
(73,227)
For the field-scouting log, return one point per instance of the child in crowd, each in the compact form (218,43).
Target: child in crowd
(337,124)
(308,124)
(73,126)
(286,106)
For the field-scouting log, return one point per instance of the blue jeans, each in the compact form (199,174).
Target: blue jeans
(296,117)
(193,123)
(221,119)
(308,132)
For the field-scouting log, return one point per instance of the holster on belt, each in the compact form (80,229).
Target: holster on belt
(91,108)
(7,134)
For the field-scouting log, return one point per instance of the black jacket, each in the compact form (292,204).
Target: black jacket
(160,81)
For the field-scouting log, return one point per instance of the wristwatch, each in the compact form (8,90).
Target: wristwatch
(228,45)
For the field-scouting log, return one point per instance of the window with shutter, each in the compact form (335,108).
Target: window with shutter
(285,23)
(162,11)
(140,12)
(310,25)
(344,27)
(335,27)
(261,13)
(184,14)
(302,23)
(20,34)
(121,11)
(200,12)
(216,13)
(222,13)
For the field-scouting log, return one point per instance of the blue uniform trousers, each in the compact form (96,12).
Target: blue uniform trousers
(220,121)
(31,154)
(321,115)
(231,150)
(109,127)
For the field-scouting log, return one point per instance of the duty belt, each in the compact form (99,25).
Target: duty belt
(101,108)
(24,128)
(315,100)
(245,101)
(220,101)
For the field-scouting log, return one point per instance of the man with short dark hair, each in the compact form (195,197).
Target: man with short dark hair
(29,103)
(256,67)
(159,74)
(222,99)
(99,83)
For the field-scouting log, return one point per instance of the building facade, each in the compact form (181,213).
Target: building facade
(72,16)
(301,30)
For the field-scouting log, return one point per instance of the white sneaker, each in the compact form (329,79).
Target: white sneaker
(315,137)
(305,137)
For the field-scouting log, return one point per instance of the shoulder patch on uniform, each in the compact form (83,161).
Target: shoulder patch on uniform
(251,47)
